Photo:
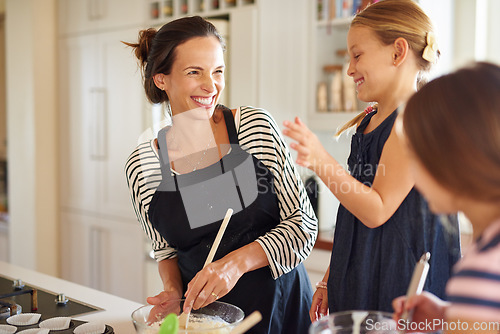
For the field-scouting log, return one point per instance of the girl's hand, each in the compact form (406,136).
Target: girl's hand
(319,306)
(310,151)
(425,306)
(211,283)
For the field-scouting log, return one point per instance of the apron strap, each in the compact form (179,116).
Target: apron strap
(230,126)
(163,154)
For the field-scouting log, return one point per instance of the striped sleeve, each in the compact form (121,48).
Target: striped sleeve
(291,241)
(143,173)
(474,288)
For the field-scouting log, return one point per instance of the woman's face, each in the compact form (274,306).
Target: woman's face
(440,199)
(197,76)
(370,65)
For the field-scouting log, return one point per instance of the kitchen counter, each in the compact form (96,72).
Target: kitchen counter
(116,311)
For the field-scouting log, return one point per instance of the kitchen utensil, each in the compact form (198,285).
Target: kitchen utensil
(247,323)
(353,322)
(148,318)
(218,238)
(169,325)
(213,249)
(417,282)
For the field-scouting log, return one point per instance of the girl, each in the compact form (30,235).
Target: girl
(455,121)
(210,159)
(383,223)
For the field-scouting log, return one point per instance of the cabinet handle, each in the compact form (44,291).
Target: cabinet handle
(98,147)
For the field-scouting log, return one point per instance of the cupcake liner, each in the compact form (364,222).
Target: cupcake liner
(90,328)
(35,331)
(55,324)
(7,329)
(24,319)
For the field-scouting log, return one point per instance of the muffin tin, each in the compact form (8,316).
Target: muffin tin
(72,325)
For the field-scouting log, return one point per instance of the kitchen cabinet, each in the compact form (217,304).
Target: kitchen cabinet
(104,254)
(87,16)
(101,116)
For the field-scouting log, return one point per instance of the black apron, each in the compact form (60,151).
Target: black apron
(284,303)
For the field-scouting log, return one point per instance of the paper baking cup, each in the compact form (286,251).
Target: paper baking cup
(7,329)
(24,319)
(35,331)
(56,324)
(90,328)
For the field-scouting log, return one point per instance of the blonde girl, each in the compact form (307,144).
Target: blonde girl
(383,224)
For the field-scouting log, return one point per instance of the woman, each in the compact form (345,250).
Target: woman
(452,127)
(210,159)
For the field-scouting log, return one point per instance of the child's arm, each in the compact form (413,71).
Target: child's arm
(374,205)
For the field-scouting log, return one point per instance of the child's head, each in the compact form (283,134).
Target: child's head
(392,19)
(452,125)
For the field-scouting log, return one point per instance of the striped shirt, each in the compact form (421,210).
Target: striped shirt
(474,289)
(286,245)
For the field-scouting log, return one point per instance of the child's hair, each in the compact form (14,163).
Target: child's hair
(391,19)
(156,49)
(452,125)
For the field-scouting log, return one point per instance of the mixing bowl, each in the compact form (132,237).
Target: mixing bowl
(215,318)
(355,322)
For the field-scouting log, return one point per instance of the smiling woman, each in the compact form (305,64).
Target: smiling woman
(208,160)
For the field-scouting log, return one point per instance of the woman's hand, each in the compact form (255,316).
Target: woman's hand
(319,306)
(219,277)
(165,302)
(311,153)
(211,283)
(425,306)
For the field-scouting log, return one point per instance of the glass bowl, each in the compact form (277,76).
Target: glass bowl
(215,318)
(355,322)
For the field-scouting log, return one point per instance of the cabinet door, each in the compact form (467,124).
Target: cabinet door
(103,254)
(75,260)
(84,16)
(79,98)
(120,123)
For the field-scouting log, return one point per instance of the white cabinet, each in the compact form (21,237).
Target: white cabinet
(103,254)
(101,112)
(101,119)
(84,16)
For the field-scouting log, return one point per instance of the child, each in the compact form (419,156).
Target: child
(455,121)
(383,224)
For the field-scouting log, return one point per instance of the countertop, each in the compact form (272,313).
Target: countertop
(116,311)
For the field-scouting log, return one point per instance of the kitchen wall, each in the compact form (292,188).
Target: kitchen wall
(31,121)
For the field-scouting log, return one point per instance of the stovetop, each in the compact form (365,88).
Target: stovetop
(46,305)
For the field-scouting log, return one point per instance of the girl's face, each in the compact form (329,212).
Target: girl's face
(370,65)
(197,77)
(440,199)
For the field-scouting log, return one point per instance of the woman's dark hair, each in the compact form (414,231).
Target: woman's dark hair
(453,127)
(156,49)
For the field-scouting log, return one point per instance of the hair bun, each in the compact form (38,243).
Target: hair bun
(143,47)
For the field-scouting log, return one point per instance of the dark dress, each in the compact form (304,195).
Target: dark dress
(371,267)
(284,303)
